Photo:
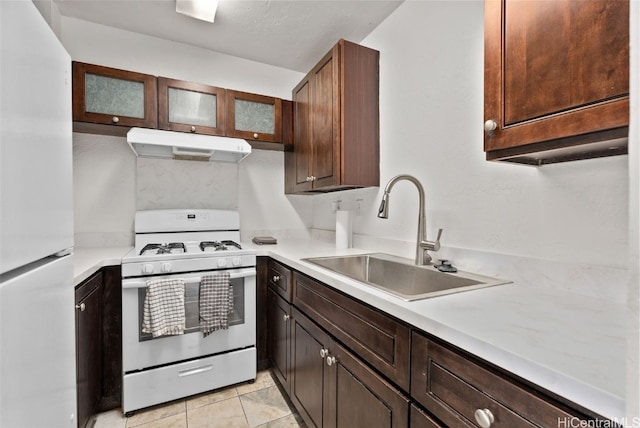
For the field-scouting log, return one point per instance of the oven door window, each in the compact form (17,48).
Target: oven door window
(192,307)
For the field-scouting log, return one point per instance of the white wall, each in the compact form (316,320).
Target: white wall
(110,184)
(431,115)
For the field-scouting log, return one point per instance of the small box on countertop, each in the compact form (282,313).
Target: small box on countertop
(264,240)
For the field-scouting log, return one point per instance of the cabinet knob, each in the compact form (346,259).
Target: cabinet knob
(484,417)
(115,119)
(324,352)
(286,317)
(331,360)
(308,179)
(255,135)
(193,129)
(490,125)
(276,278)
(81,307)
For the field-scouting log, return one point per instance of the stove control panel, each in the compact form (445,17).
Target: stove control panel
(176,266)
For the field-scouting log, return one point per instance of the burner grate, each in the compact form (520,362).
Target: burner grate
(170,248)
(218,246)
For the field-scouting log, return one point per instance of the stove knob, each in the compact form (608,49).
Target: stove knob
(222,263)
(147,268)
(166,267)
(237,261)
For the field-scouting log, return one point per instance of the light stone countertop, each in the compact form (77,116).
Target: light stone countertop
(569,344)
(87,261)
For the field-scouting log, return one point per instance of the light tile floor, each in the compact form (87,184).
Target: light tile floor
(249,405)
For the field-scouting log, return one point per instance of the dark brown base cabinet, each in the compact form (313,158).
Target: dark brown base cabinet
(329,385)
(332,388)
(345,364)
(89,347)
(279,340)
(459,392)
(98,343)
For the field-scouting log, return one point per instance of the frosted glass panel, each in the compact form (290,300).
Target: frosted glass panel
(118,97)
(255,117)
(193,108)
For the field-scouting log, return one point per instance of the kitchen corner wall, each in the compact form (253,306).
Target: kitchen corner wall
(110,183)
(431,117)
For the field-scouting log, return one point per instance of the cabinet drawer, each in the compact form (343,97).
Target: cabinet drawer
(453,388)
(280,278)
(187,378)
(372,335)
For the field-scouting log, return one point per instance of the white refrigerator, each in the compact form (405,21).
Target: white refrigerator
(37,339)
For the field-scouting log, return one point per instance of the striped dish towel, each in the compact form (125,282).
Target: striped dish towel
(216,302)
(163,310)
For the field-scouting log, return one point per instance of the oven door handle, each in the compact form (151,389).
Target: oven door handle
(142,283)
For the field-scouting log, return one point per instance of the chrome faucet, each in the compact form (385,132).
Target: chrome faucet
(422,244)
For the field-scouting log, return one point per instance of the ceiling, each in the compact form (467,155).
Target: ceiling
(292,34)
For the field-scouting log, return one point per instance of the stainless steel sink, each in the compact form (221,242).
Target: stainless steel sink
(401,278)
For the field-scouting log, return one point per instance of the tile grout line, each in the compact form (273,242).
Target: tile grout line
(246,418)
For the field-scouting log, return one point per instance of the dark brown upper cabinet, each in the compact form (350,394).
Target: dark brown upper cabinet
(190,107)
(336,123)
(556,80)
(108,96)
(111,101)
(254,117)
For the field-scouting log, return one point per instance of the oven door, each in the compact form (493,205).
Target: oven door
(140,351)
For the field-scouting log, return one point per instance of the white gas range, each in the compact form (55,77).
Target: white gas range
(186,245)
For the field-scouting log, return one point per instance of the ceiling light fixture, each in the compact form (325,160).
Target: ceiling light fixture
(204,10)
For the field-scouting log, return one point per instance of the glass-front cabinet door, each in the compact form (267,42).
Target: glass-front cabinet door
(190,107)
(115,97)
(254,117)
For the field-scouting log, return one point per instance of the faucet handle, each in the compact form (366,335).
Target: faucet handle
(432,245)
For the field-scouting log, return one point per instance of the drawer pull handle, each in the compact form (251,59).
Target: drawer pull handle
(331,360)
(286,317)
(276,278)
(324,352)
(195,371)
(115,119)
(81,307)
(484,417)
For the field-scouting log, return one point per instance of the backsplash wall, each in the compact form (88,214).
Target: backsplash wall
(166,183)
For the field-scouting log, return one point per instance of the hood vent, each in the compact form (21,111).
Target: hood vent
(154,143)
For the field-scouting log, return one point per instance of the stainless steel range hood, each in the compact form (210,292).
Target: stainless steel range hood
(154,143)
